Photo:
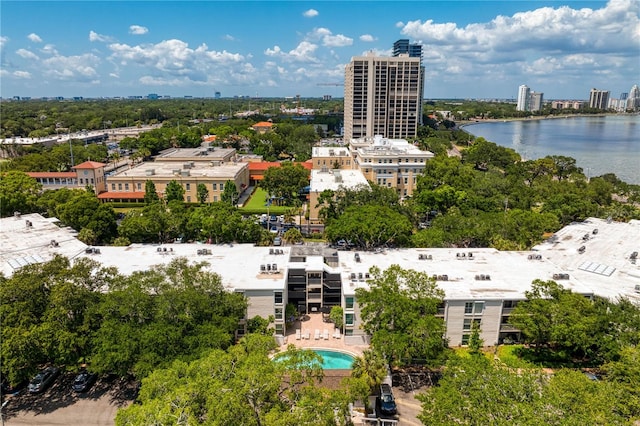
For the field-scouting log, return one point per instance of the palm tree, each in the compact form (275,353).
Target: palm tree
(372,366)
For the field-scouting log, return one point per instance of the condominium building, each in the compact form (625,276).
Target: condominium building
(402,47)
(325,157)
(535,101)
(394,163)
(598,99)
(383,96)
(595,258)
(328,179)
(523,98)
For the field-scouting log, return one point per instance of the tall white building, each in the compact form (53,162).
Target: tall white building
(633,99)
(383,96)
(599,99)
(524,94)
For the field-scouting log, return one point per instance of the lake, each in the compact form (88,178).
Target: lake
(600,144)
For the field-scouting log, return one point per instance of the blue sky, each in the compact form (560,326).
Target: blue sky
(472,49)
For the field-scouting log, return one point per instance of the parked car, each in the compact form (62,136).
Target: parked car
(43,380)
(274,230)
(83,381)
(277,241)
(387,402)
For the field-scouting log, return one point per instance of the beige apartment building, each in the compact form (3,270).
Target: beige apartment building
(130,184)
(324,157)
(383,96)
(394,163)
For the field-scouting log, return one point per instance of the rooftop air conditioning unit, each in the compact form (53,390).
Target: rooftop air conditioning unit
(150,172)
(184,173)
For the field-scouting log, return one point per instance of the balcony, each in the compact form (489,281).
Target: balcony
(508,327)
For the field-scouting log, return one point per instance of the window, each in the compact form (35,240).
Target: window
(215,198)
(349,319)
(466,326)
(277,297)
(279,329)
(465,339)
(468,307)
(91,180)
(119,186)
(214,186)
(81,181)
(348,332)
(126,186)
(279,313)
(188,198)
(113,186)
(188,187)
(473,308)
(348,301)
(139,186)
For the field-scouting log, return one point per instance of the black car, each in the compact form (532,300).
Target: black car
(43,379)
(83,381)
(387,402)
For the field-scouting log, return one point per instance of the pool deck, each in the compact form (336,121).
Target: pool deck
(310,324)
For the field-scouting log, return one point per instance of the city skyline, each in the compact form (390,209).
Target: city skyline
(280,49)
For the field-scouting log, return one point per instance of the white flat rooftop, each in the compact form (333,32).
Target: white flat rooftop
(168,168)
(329,151)
(200,153)
(239,265)
(21,245)
(334,179)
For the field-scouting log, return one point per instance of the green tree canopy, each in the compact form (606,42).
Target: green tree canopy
(398,311)
(174,191)
(285,182)
(18,193)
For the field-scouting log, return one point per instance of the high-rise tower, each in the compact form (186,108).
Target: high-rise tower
(383,96)
(524,94)
(598,99)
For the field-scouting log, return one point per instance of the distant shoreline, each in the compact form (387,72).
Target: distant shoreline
(465,123)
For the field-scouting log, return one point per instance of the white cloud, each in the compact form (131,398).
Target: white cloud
(367,38)
(551,30)
(399,24)
(27,54)
(94,36)
(229,37)
(34,38)
(22,74)
(49,49)
(173,62)
(114,75)
(302,53)
(311,13)
(79,68)
(337,40)
(3,41)
(138,30)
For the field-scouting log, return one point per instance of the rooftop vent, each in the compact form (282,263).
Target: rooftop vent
(534,257)
(185,173)
(582,249)
(560,276)
(483,277)
(150,172)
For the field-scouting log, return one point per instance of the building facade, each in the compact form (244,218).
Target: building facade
(383,96)
(394,163)
(523,98)
(598,99)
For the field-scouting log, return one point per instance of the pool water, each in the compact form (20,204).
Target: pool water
(332,360)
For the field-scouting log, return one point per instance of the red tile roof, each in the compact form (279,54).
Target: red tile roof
(121,195)
(263,124)
(52,174)
(264,165)
(89,165)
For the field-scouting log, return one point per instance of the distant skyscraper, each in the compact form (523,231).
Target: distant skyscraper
(598,99)
(383,96)
(535,101)
(633,101)
(402,46)
(523,98)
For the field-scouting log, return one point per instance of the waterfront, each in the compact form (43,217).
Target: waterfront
(600,144)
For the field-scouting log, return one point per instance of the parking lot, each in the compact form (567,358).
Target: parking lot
(59,405)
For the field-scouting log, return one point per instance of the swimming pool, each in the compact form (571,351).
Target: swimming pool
(331,359)
(334,360)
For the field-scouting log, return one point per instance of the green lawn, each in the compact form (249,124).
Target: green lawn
(257,204)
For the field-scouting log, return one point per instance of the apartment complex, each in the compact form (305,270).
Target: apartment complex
(394,163)
(599,99)
(529,100)
(383,96)
(594,258)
